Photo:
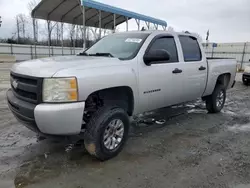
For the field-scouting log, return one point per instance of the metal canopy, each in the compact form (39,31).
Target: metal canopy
(70,11)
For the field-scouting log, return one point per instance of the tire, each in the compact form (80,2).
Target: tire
(99,127)
(214,103)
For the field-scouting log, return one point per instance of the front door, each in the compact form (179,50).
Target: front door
(160,83)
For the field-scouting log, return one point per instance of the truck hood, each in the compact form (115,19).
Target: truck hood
(47,67)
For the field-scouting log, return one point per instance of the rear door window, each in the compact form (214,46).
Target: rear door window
(191,49)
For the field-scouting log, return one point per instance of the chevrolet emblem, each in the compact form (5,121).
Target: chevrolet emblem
(15,84)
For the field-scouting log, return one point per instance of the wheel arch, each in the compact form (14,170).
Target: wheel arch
(122,96)
(223,79)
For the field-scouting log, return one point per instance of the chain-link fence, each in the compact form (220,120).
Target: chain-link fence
(239,51)
(27,52)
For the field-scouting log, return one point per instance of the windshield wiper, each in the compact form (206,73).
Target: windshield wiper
(102,54)
(83,54)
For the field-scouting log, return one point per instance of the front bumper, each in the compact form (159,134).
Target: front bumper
(52,119)
(246,76)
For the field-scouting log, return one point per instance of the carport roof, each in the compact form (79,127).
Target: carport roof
(70,11)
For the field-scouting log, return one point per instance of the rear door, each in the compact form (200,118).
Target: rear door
(194,68)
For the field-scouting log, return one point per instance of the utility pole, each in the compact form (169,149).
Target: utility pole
(207,38)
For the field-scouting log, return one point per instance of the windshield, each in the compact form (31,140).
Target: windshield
(122,45)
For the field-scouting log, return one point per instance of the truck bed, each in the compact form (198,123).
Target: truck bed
(219,66)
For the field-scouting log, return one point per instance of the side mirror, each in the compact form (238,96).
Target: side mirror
(154,56)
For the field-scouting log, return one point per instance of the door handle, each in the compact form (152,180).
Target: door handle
(177,71)
(202,68)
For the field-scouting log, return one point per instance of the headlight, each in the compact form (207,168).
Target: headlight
(60,90)
(247,70)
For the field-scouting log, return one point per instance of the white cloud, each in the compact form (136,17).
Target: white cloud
(227,20)
(8,11)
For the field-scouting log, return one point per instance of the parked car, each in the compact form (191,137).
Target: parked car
(93,94)
(246,76)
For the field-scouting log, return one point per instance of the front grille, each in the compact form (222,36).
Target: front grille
(246,76)
(26,88)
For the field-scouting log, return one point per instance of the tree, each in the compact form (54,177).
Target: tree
(18,29)
(23,22)
(50,27)
(21,26)
(58,33)
(198,36)
(72,34)
(94,32)
(171,29)
(31,5)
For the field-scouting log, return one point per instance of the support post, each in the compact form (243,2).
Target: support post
(243,55)
(114,23)
(49,36)
(84,27)
(62,37)
(126,23)
(11,49)
(212,51)
(74,39)
(100,24)
(31,52)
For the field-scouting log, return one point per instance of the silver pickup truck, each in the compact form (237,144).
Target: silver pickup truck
(95,92)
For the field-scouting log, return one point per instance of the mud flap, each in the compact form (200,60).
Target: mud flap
(233,84)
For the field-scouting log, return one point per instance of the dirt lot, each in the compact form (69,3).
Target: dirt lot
(193,149)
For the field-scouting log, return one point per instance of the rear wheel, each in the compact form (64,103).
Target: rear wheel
(216,101)
(107,132)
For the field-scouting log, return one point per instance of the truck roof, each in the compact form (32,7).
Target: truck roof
(159,32)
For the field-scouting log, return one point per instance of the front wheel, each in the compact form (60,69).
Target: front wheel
(107,132)
(216,101)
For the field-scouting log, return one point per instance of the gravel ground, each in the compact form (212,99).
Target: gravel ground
(193,149)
